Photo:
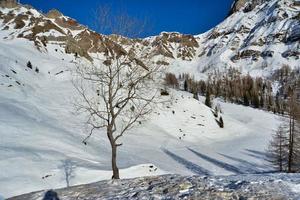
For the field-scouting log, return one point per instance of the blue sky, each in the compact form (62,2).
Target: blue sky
(185,16)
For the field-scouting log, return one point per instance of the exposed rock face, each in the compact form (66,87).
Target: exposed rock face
(245,5)
(294,33)
(54,14)
(8,3)
(77,39)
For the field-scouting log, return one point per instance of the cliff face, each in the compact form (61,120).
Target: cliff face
(245,5)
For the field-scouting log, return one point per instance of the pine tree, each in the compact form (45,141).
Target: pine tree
(294,129)
(278,149)
(221,122)
(195,95)
(262,100)
(255,101)
(29,65)
(207,98)
(185,85)
(246,100)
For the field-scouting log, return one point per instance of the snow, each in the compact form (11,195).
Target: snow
(261,26)
(295,188)
(40,132)
(41,135)
(270,186)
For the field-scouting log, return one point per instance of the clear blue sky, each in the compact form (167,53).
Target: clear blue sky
(185,16)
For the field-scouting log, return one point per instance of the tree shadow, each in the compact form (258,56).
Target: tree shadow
(218,163)
(68,167)
(187,164)
(245,166)
(257,154)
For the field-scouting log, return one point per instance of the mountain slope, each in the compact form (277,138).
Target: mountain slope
(41,137)
(40,133)
(258,39)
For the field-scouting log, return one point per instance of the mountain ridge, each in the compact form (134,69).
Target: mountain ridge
(244,38)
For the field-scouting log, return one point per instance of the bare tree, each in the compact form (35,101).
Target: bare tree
(69,169)
(294,138)
(119,22)
(171,80)
(115,95)
(278,148)
(285,145)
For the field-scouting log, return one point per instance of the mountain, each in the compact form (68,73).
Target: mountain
(258,37)
(41,135)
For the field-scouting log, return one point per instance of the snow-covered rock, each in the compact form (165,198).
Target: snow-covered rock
(268,186)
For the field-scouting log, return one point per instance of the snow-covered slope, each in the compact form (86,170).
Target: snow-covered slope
(258,41)
(41,136)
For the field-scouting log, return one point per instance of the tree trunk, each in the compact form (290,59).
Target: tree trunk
(280,156)
(290,146)
(114,162)
(291,143)
(114,166)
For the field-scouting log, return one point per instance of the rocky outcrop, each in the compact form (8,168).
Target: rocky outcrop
(8,3)
(245,5)
(294,33)
(54,14)
(186,46)
(291,54)
(181,187)
(247,54)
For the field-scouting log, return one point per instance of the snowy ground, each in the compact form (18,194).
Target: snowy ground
(269,186)
(41,137)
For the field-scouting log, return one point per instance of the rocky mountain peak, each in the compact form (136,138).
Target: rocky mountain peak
(245,5)
(8,3)
(54,14)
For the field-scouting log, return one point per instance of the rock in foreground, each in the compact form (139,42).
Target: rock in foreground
(270,186)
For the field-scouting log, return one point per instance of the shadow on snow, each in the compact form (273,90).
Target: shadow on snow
(187,164)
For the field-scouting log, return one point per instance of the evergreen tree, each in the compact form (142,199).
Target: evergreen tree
(29,65)
(262,100)
(195,95)
(221,122)
(185,85)
(246,100)
(207,98)
(255,101)
(278,149)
